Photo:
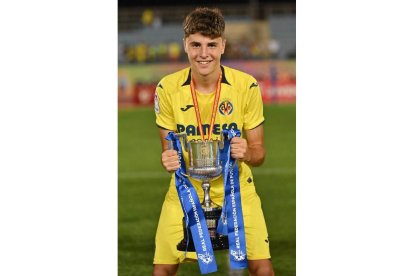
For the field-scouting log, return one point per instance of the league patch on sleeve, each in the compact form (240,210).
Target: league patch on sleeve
(156,103)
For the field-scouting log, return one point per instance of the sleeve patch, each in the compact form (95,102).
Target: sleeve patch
(156,103)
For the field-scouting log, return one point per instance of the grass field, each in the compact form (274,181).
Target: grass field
(143,183)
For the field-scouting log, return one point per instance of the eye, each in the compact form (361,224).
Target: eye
(195,45)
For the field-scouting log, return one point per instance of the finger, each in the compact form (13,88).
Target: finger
(172,161)
(234,149)
(236,145)
(238,152)
(168,156)
(171,170)
(172,166)
(235,154)
(170,152)
(239,148)
(235,140)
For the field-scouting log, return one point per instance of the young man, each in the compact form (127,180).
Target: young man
(239,106)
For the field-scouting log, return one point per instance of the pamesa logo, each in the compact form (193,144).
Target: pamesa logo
(225,107)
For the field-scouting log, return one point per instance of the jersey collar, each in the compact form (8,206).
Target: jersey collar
(223,77)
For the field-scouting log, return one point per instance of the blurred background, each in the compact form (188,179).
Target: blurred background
(261,40)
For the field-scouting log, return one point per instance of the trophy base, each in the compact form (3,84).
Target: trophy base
(218,242)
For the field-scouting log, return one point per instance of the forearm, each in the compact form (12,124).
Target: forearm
(169,157)
(255,155)
(250,150)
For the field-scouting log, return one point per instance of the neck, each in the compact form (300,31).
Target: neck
(206,84)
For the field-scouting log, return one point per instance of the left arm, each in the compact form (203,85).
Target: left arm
(250,150)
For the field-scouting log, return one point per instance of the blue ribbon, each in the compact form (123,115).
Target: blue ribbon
(194,213)
(231,221)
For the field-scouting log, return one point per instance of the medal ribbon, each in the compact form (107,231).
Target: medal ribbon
(231,221)
(214,111)
(193,212)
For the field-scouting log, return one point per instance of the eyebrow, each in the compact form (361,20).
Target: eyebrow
(196,43)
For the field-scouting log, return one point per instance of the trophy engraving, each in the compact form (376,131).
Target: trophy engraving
(205,166)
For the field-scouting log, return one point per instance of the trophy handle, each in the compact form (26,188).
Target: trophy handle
(183,137)
(221,142)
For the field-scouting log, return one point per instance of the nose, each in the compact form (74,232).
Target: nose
(203,51)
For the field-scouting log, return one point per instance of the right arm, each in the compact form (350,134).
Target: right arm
(169,157)
(165,121)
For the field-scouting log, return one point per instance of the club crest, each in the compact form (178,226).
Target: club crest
(225,107)
(205,258)
(238,255)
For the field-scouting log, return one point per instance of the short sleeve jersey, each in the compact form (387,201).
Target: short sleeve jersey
(240,105)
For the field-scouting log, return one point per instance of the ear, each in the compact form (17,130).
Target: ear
(185,45)
(224,46)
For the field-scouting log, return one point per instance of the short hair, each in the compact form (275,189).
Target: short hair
(207,21)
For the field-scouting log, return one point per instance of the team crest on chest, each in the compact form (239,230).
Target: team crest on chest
(225,107)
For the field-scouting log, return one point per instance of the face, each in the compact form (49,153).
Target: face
(204,53)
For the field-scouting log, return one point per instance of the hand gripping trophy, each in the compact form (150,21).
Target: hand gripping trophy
(205,166)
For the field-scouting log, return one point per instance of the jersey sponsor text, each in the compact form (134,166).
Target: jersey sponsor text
(192,130)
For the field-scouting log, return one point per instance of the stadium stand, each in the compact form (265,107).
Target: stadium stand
(147,35)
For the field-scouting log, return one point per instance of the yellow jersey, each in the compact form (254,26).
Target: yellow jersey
(240,107)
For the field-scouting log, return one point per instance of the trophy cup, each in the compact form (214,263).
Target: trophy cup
(205,166)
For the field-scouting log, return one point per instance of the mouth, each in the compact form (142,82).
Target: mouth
(203,62)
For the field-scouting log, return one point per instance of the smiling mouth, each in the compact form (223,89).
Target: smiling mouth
(204,62)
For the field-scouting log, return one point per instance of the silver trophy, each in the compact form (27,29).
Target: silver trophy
(205,166)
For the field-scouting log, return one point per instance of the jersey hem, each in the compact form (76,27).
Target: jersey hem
(256,258)
(165,262)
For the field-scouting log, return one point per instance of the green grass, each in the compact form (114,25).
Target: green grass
(143,183)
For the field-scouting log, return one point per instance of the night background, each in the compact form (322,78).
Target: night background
(260,40)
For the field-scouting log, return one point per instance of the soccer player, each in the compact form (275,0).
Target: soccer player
(239,106)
